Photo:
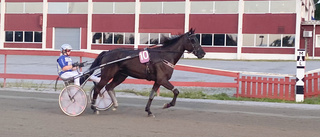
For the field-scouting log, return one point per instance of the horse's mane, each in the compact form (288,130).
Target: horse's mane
(169,41)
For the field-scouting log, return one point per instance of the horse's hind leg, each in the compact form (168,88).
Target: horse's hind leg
(117,79)
(97,89)
(106,75)
(151,96)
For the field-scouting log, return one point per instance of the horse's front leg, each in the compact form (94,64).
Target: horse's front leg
(151,96)
(173,102)
(175,91)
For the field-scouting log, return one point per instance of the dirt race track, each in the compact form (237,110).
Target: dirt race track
(25,114)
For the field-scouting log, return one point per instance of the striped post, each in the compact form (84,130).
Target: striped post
(301,63)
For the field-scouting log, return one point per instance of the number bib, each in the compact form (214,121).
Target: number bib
(144,56)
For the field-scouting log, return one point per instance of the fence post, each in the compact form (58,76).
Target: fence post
(301,63)
(5,70)
(238,84)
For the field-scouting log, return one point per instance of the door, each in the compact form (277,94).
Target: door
(67,36)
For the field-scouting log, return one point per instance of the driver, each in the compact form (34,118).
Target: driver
(67,69)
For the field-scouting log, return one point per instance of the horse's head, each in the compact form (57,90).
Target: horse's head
(193,45)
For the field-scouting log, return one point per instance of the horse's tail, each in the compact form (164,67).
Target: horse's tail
(94,64)
(97,61)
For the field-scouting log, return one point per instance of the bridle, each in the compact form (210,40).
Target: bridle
(194,43)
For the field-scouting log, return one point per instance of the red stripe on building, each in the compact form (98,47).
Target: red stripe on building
(113,23)
(23,22)
(214,23)
(162,23)
(269,23)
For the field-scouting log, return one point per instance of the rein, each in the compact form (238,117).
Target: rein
(166,51)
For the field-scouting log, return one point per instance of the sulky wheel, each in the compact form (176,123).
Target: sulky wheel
(72,100)
(104,102)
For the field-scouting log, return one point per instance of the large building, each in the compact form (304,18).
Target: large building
(227,29)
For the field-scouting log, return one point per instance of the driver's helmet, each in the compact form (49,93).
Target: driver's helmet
(65,47)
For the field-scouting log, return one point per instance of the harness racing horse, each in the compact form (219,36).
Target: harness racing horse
(159,68)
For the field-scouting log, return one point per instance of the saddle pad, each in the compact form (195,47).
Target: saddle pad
(144,56)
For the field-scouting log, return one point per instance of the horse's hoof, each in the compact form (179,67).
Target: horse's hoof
(166,105)
(151,115)
(114,109)
(94,108)
(97,112)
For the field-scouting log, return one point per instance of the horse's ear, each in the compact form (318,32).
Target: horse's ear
(191,31)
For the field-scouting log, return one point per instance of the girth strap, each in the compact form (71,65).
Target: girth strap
(148,71)
(168,63)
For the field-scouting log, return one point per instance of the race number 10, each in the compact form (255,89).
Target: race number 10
(144,56)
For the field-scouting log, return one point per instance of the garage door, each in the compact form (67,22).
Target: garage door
(67,36)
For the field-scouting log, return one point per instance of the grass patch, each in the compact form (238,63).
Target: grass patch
(220,96)
(312,100)
(26,85)
(192,93)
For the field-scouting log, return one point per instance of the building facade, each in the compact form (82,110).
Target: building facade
(227,29)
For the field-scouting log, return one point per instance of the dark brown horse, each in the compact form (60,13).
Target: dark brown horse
(159,69)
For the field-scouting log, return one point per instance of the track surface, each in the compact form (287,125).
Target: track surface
(38,115)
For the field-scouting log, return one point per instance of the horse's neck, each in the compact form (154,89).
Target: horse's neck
(175,53)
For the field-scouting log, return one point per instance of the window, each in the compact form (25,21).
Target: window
(129,38)
(317,41)
(28,36)
(288,41)
(163,37)
(102,8)
(205,7)
(13,7)
(231,39)
(256,6)
(214,7)
(274,40)
(67,7)
(37,36)
(153,38)
(124,7)
(262,40)
(23,7)
(206,39)
(18,36)
(144,38)
(151,7)
(23,36)
(78,8)
(270,6)
(162,7)
(33,7)
(269,40)
(58,7)
(112,38)
(9,36)
(248,39)
(218,40)
(282,6)
(226,7)
(113,8)
(173,7)
(118,38)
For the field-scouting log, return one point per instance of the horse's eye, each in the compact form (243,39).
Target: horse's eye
(193,41)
